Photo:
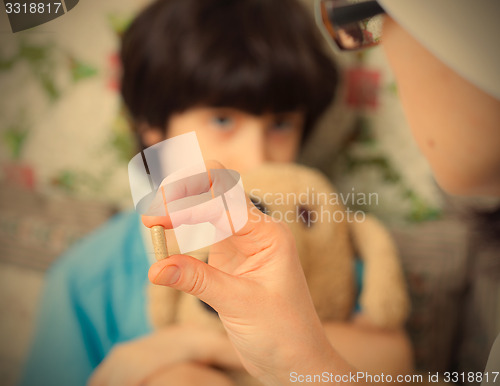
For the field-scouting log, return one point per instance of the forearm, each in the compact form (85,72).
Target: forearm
(323,367)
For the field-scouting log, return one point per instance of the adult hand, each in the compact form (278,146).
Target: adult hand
(254,280)
(137,362)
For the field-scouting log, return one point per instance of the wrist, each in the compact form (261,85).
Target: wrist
(306,355)
(322,361)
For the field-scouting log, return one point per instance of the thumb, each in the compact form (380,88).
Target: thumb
(190,275)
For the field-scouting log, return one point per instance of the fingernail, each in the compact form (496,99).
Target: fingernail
(168,275)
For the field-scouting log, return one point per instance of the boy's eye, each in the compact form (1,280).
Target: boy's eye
(282,124)
(223,121)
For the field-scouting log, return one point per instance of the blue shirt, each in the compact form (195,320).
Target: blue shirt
(94,297)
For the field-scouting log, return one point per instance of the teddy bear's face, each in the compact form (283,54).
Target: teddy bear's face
(308,203)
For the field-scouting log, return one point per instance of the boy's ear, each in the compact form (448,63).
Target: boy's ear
(150,135)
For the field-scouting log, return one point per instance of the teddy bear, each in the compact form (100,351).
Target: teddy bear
(329,238)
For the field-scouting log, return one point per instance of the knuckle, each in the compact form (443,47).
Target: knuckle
(198,283)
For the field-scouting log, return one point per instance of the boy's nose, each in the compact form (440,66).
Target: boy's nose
(253,151)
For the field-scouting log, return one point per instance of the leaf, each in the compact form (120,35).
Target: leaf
(420,210)
(80,70)
(119,23)
(393,88)
(14,138)
(389,174)
(34,54)
(124,145)
(6,64)
(49,86)
(66,180)
(122,141)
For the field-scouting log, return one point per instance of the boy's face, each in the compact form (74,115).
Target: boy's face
(238,140)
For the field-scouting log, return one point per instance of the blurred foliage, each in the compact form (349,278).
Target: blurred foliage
(72,181)
(40,63)
(42,60)
(81,70)
(389,174)
(14,138)
(364,133)
(119,23)
(392,87)
(420,210)
(122,140)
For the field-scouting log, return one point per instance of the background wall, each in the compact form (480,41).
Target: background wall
(65,145)
(63,131)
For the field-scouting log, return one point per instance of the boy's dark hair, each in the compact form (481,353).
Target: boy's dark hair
(254,55)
